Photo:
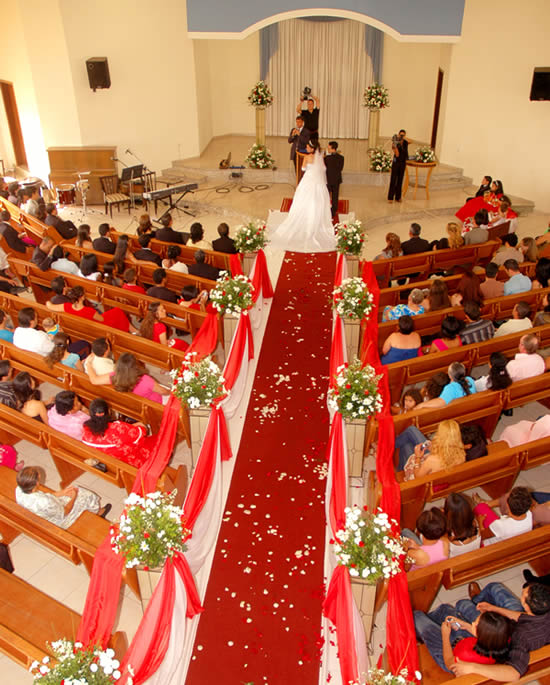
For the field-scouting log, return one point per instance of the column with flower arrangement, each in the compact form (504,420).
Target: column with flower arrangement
(350,238)
(151,529)
(72,662)
(353,302)
(260,97)
(372,553)
(250,238)
(355,396)
(375,98)
(199,384)
(231,297)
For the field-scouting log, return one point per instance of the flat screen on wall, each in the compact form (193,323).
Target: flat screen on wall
(540,86)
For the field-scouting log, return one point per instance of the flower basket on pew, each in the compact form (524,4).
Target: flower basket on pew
(71,662)
(250,238)
(231,296)
(355,395)
(372,553)
(350,237)
(199,384)
(151,529)
(353,302)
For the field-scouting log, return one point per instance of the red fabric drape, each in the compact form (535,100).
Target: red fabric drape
(260,278)
(206,340)
(338,492)
(243,334)
(339,274)
(336,350)
(194,605)
(236,265)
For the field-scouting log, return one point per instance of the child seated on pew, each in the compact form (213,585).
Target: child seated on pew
(6,331)
(411,398)
(49,325)
(516,518)
(431,545)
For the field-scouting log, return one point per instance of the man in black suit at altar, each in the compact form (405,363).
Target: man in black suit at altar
(334,163)
(298,138)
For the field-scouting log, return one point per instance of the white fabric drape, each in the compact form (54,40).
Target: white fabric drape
(330,58)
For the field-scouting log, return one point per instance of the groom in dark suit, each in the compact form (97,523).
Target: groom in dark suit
(298,138)
(334,163)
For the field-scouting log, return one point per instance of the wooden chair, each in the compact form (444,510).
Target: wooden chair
(112,195)
(149,185)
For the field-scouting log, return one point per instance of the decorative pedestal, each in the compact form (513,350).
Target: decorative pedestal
(147,581)
(365,598)
(374,127)
(260,125)
(353,265)
(198,422)
(355,440)
(229,328)
(430,166)
(248,261)
(352,331)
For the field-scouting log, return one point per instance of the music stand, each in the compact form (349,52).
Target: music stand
(130,173)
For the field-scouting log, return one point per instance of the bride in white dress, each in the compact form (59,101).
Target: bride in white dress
(308,226)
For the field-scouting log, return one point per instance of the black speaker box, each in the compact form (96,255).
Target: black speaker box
(98,73)
(540,86)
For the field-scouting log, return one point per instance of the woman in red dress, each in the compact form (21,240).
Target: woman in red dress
(115,317)
(128,442)
(153,329)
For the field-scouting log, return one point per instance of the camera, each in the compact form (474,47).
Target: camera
(396,138)
(306,93)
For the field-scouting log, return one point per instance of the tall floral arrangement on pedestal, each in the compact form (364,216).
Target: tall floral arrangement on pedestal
(376,97)
(198,382)
(250,237)
(380,160)
(260,95)
(232,294)
(355,393)
(77,665)
(352,299)
(350,237)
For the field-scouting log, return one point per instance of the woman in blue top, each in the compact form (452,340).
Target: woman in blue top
(60,353)
(403,344)
(5,333)
(461,385)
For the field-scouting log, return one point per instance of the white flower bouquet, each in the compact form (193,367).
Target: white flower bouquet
(350,237)
(356,394)
(376,97)
(77,665)
(250,237)
(367,547)
(232,294)
(150,530)
(377,676)
(259,157)
(380,160)
(198,383)
(260,95)
(352,299)
(424,154)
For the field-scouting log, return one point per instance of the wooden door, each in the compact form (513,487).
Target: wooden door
(12,115)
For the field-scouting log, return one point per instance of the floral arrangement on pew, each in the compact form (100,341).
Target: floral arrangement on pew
(250,237)
(260,95)
(150,530)
(355,394)
(367,547)
(377,676)
(77,665)
(352,299)
(376,97)
(232,295)
(424,154)
(198,383)
(380,160)
(259,157)
(350,237)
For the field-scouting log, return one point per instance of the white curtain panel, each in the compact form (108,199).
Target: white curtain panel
(257,312)
(233,400)
(330,58)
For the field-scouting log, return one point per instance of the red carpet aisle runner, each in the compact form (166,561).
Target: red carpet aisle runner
(262,615)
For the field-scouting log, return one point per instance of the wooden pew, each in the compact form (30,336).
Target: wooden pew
(30,620)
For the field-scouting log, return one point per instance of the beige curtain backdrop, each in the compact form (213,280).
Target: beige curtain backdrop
(329,57)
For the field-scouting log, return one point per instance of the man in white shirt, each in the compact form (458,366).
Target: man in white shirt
(516,516)
(27,337)
(520,321)
(527,363)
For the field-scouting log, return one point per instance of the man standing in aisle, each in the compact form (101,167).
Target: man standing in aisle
(334,163)
(400,147)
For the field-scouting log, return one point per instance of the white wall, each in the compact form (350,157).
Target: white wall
(490,124)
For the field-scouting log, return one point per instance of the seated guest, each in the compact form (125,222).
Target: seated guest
(484,187)
(497,189)
(61,354)
(529,250)
(159,289)
(104,243)
(172,263)
(224,243)
(410,400)
(412,308)
(145,254)
(168,235)
(6,332)
(101,359)
(7,393)
(450,338)
(520,320)
(42,255)
(61,263)
(460,385)
(453,240)
(109,269)
(479,233)
(438,297)
(62,508)
(129,278)
(153,329)
(13,189)
(89,268)
(516,515)
(201,268)
(490,286)
(476,329)
(145,226)
(509,250)
(125,441)
(542,273)
(59,288)
(130,375)
(192,298)
(27,337)
(517,282)
(527,362)
(68,415)
(526,431)
(402,344)
(498,377)
(543,317)
(31,205)
(83,238)
(28,397)
(506,213)
(393,247)
(434,386)
(468,290)
(474,440)
(11,236)
(444,451)
(66,229)
(122,253)
(197,237)
(415,244)
(432,545)
(41,213)
(77,306)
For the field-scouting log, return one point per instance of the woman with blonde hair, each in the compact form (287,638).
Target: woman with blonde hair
(393,247)
(529,249)
(444,451)
(453,240)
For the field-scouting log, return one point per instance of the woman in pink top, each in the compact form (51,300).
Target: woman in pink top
(432,526)
(526,431)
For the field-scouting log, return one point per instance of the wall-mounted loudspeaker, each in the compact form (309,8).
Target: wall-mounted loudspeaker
(98,73)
